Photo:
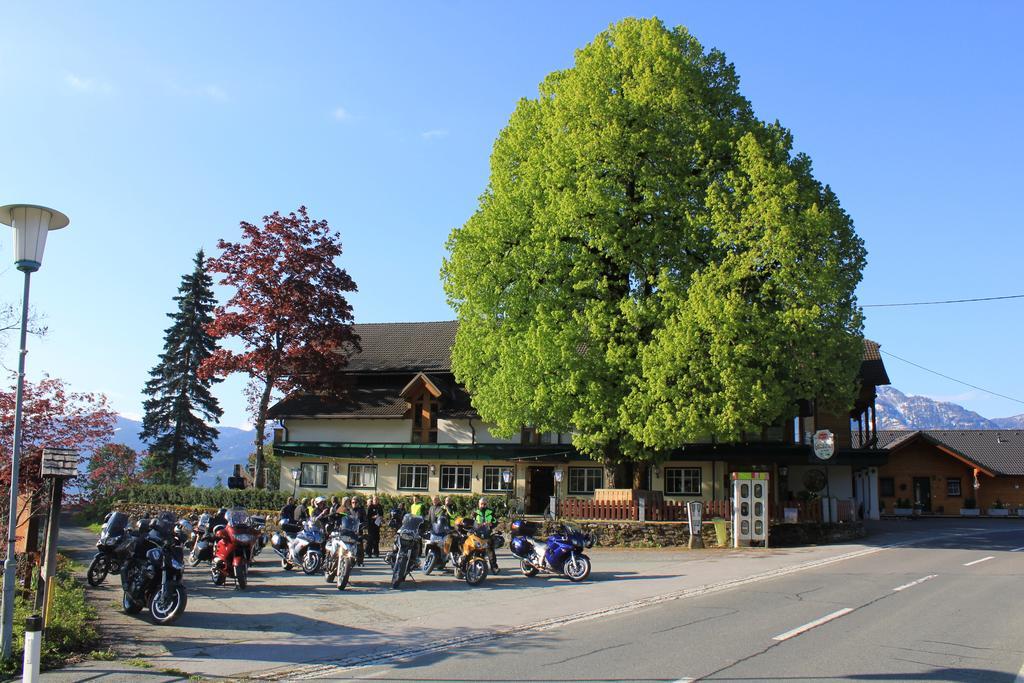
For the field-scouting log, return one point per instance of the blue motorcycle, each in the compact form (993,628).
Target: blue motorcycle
(561,554)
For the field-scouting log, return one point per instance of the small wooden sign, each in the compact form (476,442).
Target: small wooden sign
(59,462)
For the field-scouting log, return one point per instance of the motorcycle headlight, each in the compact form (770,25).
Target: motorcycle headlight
(155,555)
(244,538)
(478,544)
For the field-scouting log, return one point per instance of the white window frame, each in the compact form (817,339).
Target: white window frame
(415,471)
(959,487)
(590,475)
(492,471)
(458,472)
(686,475)
(308,467)
(363,469)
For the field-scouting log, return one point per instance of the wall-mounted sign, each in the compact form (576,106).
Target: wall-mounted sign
(824,443)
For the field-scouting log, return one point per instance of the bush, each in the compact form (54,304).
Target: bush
(70,630)
(264,499)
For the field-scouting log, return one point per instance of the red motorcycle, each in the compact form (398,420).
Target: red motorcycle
(233,553)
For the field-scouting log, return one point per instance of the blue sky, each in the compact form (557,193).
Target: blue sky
(157,127)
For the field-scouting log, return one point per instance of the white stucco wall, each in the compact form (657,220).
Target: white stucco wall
(458,431)
(353,430)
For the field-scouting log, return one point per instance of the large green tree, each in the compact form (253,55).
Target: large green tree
(650,263)
(180,407)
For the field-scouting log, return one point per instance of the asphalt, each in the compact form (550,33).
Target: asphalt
(644,615)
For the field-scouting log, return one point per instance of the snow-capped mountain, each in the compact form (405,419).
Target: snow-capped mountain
(897,410)
(235,446)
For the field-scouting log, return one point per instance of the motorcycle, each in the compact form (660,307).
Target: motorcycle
(438,546)
(344,550)
(201,543)
(151,576)
(561,554)
(234,550)
(404,556)
(473,561)
(299,546)
(111,549)
(259,526)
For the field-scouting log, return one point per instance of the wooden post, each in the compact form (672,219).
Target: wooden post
(58,464)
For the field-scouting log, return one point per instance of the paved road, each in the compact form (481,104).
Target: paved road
(645,615)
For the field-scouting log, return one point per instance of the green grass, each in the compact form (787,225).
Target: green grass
(70,631)
(139,663)
(107,655)
(95,527)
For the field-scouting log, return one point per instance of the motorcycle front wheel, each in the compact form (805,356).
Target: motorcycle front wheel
(476,572)
(128,605)
(577,568)
(430,562)
(344,572)
(97,571)
(528,569)
(401,568)
(241,576)
(165,611)
(330,568)
(312,562)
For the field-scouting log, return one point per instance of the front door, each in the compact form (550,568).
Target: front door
(541,486)
(923,493)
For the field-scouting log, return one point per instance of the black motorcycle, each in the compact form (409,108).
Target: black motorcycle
(201,543)
(151,576)
(404,557)
(259,524)
(112,548)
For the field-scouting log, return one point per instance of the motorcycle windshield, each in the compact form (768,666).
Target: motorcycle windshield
(350,523)
(117,523)
(238,517)
(482,530)
(411,525)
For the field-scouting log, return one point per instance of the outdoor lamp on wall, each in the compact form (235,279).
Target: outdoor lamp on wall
(337,467)
(31,225)
(433,469)
(558,476)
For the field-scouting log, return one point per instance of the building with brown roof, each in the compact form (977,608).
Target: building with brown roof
(944,471)
(404,425)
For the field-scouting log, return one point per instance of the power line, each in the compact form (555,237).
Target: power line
(947,301)
(958,381)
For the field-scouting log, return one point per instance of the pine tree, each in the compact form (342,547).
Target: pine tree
(180,405)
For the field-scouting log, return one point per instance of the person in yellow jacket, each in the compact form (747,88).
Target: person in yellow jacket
(416,509)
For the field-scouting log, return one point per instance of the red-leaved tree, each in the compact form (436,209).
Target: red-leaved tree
(110,469)
(52,417)
(289,312)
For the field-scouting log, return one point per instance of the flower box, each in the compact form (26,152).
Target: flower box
(969,512)
(998,512)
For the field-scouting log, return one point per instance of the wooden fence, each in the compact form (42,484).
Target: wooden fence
(676,511)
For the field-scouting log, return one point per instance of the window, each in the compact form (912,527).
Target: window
(424,419)
(886,487)
(953,487)
(362,476)
(456,477)
(493,481)
(585,479)
(313,475)
(682,481)
(413,477)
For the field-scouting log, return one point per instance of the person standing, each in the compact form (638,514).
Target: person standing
(485,517)
(416,508)
(375,517)
(302,510)
(288,511)
(436,510)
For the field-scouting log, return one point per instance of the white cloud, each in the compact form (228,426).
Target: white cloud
(215,92)
(87,85)
(131,415)
(341,114)
(434,134)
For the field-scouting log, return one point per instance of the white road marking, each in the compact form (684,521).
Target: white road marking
(914,583)
(984,559)
(1017,550)
(813,624)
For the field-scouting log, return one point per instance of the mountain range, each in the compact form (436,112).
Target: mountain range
(234,445)
(897,410)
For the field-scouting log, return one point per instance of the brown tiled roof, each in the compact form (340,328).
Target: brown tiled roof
(391,347)
(872,350)
(998,450)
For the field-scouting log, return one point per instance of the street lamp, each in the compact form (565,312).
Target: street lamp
(296,472)
(558,485)
(506,477)
(31,225)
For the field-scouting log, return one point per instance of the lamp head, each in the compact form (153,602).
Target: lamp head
(31,224)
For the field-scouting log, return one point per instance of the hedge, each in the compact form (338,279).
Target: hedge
(264,499)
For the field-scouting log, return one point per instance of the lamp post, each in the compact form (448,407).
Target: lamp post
(296,472)
(558,485)
(506,477)
(31,224)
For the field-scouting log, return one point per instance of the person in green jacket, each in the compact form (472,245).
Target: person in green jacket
(485,517)
(416,509)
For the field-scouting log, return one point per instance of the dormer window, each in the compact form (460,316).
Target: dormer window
(423,397)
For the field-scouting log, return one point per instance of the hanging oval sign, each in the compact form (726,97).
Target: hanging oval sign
(824,444)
